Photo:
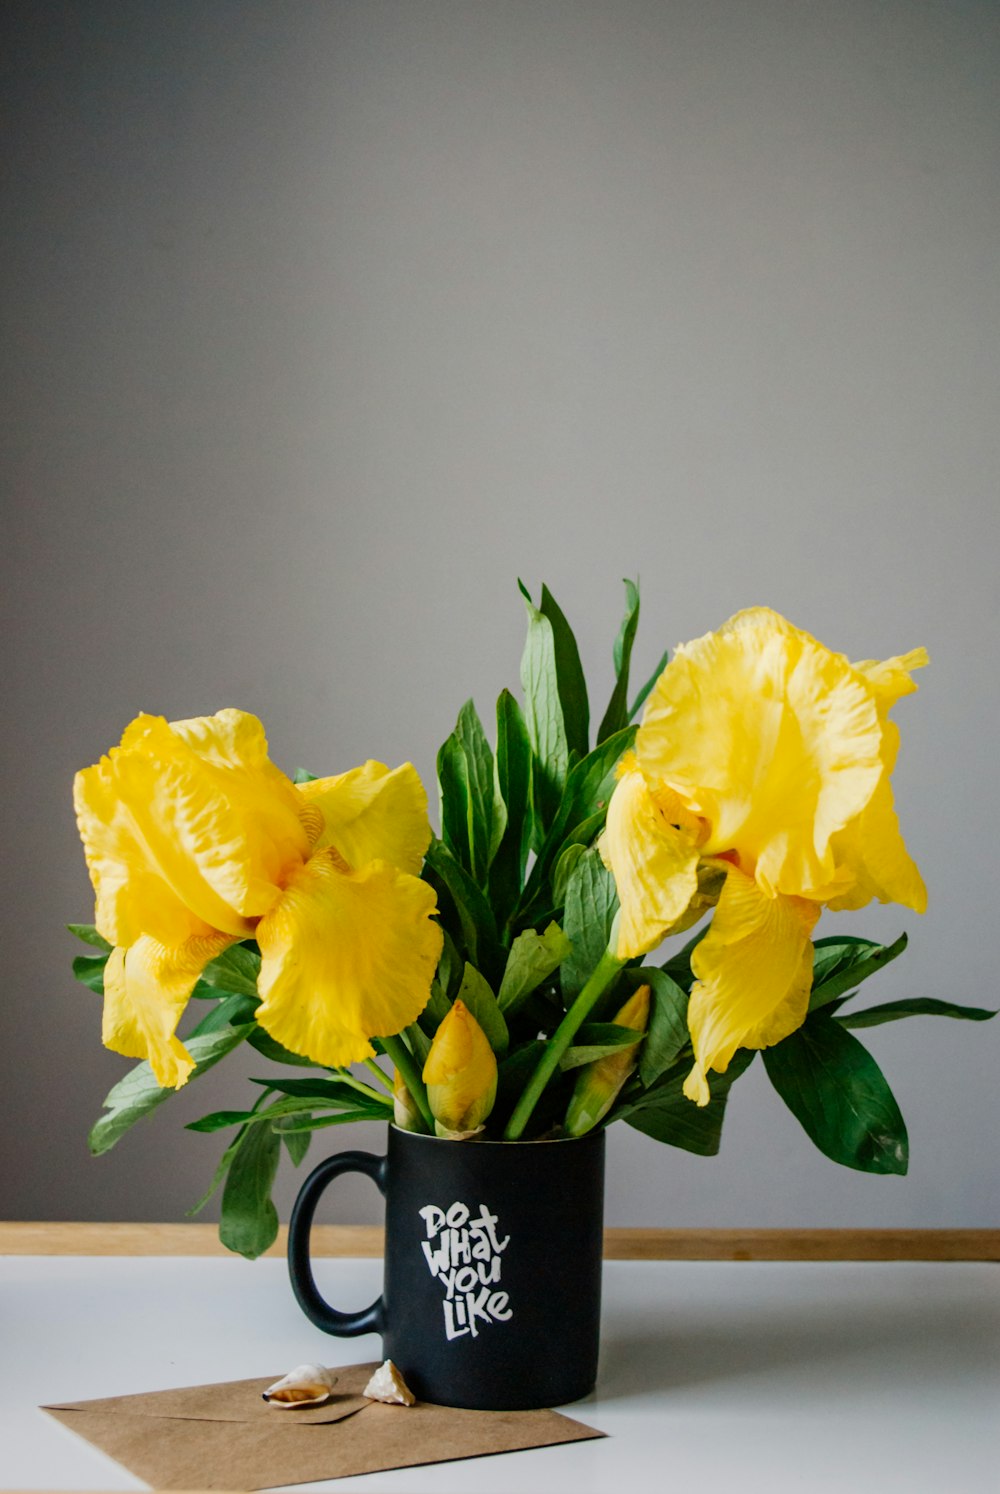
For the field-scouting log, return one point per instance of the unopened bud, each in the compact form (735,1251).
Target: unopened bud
(460,1073)
(404,1111)
(598,1084)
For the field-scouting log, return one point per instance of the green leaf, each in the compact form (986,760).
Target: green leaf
(543,714)
(437,1008)
(847,970)
(303,775)
(566,864)
(269,1047)
(319,1091)
(298,1124)
(473,816)
(616,716)
(643,695)
(223,1167)
(668,1030)
(138,1093)
(89,969)
(451,968)
(249,1220)
(231,1011)
(665,1113)
(533,957)
(916,1006)
(296,1142)
(420,1045)
(88,933)
(597,1040)
(235,971)
(220,1120)
(572,684)
(476,927)
(476,993)
(591,905)
(580,817)
(836,1090)
(678,966)
(512,783)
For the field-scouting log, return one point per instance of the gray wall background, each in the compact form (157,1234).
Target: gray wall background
(325,321)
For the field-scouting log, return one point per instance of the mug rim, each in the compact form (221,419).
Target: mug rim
(521,1140)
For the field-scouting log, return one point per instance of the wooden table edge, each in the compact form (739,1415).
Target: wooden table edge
(52,1238)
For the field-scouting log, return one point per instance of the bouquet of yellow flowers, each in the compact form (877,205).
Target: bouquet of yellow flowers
(503,967)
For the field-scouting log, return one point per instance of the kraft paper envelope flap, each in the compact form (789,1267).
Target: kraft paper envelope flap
(182,1452)
(236,1400)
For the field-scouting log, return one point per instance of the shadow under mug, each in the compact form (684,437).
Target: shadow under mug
(492,1272)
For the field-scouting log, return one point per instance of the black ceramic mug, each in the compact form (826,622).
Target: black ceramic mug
(492,1283)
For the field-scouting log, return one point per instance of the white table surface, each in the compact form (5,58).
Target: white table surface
(750,1376)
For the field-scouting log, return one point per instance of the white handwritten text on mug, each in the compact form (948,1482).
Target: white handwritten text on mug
(463,1253)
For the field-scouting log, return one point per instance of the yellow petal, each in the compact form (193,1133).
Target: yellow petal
(346,958)
(653,861)
(146,988)
(890,678)
(131,896)
(219,823)
(372,813)
(773,739)
(754,972)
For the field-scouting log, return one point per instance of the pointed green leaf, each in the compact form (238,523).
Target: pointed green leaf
(89,935)
(543,715)
(89,970)
(138,1093)
(235,971)
(473,817)
(533,957)
(512,773)
(596,1040)
(269,1047)
(570,679)
(479,999)
(591,905)
(665,1113)
(668,1030)
(837,1092)
(915,1006)
(296,1143)
(616,717)
(249,1220)
(231,1011)
(847,970)
(566,864)
(303,775)
(644,693)
(473,926)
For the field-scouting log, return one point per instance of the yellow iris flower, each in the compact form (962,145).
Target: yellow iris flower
(764,756)
(195,840)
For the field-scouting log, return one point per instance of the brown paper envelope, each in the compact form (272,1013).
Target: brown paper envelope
(187,1453)
(235,1400)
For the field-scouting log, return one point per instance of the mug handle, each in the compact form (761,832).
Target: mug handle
(316,1308)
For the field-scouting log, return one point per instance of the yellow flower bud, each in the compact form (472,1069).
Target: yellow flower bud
(460,1073)
(405,1113)
(599,1083)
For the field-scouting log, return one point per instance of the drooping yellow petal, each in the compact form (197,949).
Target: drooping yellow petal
(146,988)
(652,853)
(345,958)
(890,678)
(773,739)
(219,823)
(372,813)
(754,971)
(131,896)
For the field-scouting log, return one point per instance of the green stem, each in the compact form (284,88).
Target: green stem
(380,1074)
(347,1077)
(603,974)
(407,1066)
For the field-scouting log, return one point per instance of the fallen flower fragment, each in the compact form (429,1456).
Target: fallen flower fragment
(305,1385)
(387,1385)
